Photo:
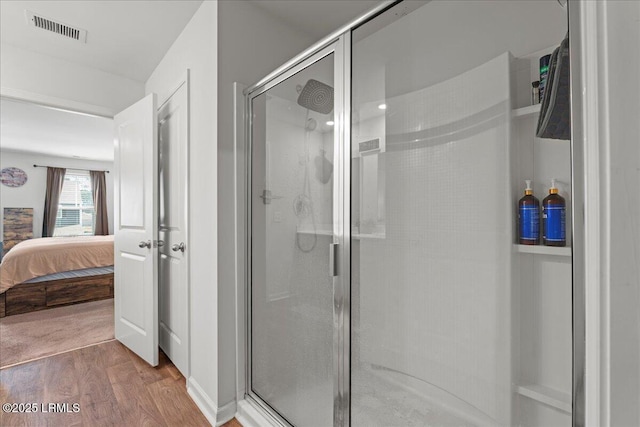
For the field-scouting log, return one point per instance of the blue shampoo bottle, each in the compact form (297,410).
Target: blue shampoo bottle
(553,218)
(528,218)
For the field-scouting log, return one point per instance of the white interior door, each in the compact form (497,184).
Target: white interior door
(173,253)
(136,219)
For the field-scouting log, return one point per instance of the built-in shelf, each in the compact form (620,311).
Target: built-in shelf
(526,111)
(368,236)
(546,395)
(330,233)
(542,250)
(316,232)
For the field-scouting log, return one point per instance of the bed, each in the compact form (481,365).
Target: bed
(37,274)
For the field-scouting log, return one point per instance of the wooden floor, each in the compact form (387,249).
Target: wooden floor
(112,386)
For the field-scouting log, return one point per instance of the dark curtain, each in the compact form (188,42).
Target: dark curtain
(55,179)
(99,187)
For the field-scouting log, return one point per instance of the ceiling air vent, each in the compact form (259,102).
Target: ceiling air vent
(64,30)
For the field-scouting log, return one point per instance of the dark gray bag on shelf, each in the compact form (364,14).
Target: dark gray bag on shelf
(555,112)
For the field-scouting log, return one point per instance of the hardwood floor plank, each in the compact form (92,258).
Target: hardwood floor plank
(98,402)
(150,375)
(170,368)
(136,405)
(113,386)
(60,382)
(23,384)
(109,354)
(176,406)
(60,379)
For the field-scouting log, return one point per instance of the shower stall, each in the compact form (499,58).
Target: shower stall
(384,282)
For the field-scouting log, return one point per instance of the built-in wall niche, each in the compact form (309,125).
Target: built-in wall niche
(541,160)
(542,281)
(372,184)
(537,159)
(369,175)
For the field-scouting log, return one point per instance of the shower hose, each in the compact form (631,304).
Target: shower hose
(303,205)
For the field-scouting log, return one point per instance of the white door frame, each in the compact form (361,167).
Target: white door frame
(76,107)
(239,184)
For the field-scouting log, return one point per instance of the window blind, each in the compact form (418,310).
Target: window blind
(75,210)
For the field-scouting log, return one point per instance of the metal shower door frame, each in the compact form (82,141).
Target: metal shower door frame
(340,48)
(339,43)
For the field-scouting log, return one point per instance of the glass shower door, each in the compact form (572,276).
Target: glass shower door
(291,289)
(452,322)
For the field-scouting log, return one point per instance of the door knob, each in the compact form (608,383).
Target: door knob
(178,247)
(144,244)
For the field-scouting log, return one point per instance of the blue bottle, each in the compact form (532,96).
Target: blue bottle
(528,218)
(553,218)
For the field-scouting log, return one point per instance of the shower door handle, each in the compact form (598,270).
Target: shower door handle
(333,262)
(267,197)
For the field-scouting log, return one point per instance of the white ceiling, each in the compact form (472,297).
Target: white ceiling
(31,128)
(129,38)
(126,38)
(317,18)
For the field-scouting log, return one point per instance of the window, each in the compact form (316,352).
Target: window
(75,209)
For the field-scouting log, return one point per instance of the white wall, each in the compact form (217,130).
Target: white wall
(251,44)
(31,194)
(622,168)
(48,80)
(196,49)
(434,293)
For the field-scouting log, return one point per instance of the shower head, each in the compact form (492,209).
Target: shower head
(316,96)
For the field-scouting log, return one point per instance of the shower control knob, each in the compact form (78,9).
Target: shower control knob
(267,197)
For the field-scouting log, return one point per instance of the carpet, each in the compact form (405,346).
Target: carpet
(44,333)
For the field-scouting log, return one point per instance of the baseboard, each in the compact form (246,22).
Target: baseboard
(226,413)
(203,402)
(249,416)
(216,416)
